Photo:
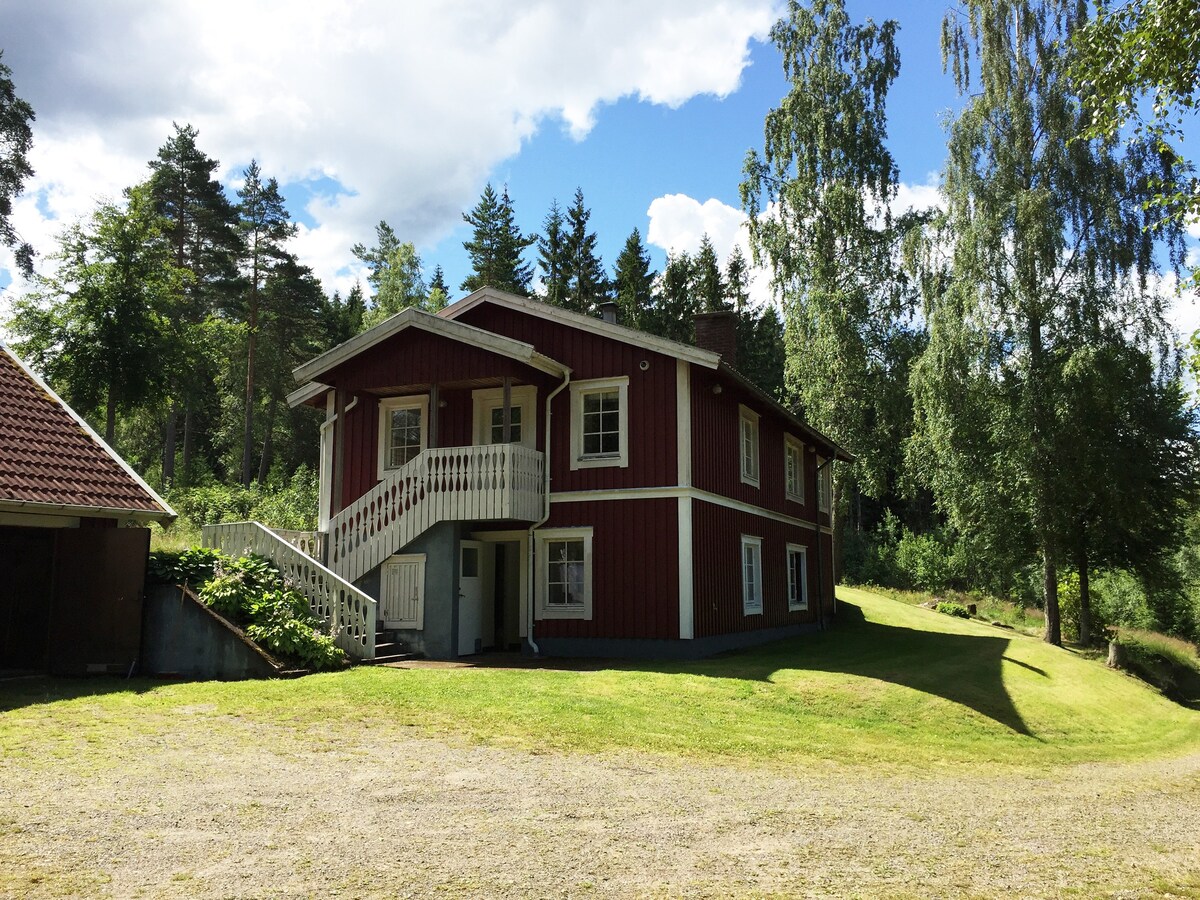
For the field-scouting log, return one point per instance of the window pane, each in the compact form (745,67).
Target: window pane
(601,424)
(404,436)
(564,573)
(470,562)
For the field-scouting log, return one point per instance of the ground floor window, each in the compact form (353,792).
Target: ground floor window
(564,584)
(752,588)
(797,572)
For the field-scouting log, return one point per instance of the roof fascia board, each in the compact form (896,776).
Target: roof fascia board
(302,395)
(170,513)
(34,507)
(621,333)
(414,318)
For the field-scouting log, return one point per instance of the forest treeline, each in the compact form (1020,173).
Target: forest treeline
(1001,365)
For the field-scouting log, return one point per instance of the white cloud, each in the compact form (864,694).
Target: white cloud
(917,197)
(409,106)
(679,222)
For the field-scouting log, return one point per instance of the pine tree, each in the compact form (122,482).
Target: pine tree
(737,279)
(264,226)
(200,226)
(552,257)
(496,246)
(633,283)
(587,285)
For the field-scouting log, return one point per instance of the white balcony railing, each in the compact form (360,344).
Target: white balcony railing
(496,482)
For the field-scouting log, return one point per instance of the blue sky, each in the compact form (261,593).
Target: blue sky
(369,109)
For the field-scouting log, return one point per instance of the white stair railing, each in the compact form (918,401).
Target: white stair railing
(350,613)
(495,482)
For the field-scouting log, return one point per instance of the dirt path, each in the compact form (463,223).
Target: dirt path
(207,811)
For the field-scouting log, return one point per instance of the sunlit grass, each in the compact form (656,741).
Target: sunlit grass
(892,686)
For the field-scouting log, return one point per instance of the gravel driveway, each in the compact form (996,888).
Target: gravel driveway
(207,810)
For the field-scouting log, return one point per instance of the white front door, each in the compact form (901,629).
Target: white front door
(402,591)
(470,597)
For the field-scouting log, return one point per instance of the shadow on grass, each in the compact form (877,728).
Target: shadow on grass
(36,690)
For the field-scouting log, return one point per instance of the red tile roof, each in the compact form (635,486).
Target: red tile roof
(48,457)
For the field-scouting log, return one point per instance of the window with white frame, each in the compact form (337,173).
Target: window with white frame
(793,469)
(489,416)
(824,486)
(797,572)
(600,422)
(403,431)
(748,425)
(564,585)
(752,587)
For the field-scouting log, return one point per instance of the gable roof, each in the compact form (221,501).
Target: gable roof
(623,333)
(52,461)
(687,352)
(423,321)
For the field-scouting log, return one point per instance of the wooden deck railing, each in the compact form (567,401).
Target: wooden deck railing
(494,482)
(350,613)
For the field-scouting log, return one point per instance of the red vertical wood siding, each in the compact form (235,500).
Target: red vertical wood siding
(716,449)
(652,429)
(717,536)
(635,569)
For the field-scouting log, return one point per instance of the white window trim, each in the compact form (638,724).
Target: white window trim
(801,603)
(824,486)
(751,606)
(523,396)
(386,405)
(543,610)
(792,443)
(578,390)
(747,416)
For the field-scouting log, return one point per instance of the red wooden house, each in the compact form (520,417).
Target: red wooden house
(510,474)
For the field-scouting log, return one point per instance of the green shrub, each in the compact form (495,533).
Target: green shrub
(192,566)
(927,560)
(250,592)
(950,608)
(291,504)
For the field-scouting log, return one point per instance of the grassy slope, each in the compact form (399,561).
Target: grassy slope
(891,685)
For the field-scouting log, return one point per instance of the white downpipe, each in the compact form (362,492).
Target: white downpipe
(545,515)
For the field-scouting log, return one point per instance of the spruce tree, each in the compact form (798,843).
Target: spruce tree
(496,246)
(587,285)
(633,284)
(439,291)
(552,257)
(709,285)
(675,305)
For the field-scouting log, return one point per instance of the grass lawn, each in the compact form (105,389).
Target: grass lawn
(891,686)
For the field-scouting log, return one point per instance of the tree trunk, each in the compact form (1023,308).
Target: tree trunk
(110,414)
(170,431)
(1085,601)
(1050,595)
(264,464)
(251,347)
(189,438)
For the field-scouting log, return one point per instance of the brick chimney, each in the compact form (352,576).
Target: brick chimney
(717,331)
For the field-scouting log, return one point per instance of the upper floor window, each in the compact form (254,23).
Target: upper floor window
(600,422)
(824,486)
(793,468)
(403,431)
(748,424)
(489,416)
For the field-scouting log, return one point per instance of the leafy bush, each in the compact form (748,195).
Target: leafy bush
(250,592)
(869,557)
(291,504)
(928,560)
(950,608)
(192,566)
